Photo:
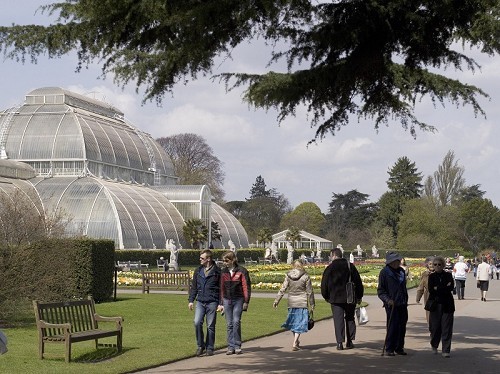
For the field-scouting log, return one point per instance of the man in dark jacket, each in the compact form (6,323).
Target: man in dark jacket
(393,293)
(205,289)
(333,290)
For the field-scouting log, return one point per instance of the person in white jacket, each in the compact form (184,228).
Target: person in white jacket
(483,277)
(460,270)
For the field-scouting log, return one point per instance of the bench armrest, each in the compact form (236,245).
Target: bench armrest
(45,325)
(117,320)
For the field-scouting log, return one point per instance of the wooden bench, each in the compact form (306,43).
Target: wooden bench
(165,279)
(249,261)
(70,322)
(131,265)
(264,261)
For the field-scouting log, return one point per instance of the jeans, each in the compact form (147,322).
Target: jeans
(208,310)
(233,310)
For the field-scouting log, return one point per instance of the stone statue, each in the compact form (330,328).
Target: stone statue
(339,246)
(274,252)
(289,258)
(231,246)
(351,258)
(374,251)
(267,255)
(318,254)
(174,254)
(359,250)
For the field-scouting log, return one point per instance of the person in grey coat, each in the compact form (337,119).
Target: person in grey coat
(300,300)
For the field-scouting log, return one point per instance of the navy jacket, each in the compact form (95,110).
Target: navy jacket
(392,286)
(205,288)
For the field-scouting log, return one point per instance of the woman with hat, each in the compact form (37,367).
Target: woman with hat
(393,293)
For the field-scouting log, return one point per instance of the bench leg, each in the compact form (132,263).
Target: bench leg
(97,344)
(68,350)
(119,341)
(41,348)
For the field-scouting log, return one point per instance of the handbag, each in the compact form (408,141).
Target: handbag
(430,305)
(310,321)
(350,288)
(362,316)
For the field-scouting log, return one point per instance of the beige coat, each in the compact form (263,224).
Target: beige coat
(300,292)
(423,290)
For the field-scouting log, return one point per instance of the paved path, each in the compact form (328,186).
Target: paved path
(475,345)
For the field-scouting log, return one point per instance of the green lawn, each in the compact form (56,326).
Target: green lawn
(158,329)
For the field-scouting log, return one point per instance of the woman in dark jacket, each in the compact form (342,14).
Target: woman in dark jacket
(441,318)
(235,292)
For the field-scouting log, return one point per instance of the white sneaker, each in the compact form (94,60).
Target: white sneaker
(446,355)
(434,350)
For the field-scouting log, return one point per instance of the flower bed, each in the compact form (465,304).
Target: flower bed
(271,277)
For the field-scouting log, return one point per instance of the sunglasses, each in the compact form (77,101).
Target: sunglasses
(227,260)
(436,264)
(203,258)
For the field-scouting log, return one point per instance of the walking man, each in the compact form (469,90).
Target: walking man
(205,289)
(333,290)
(393,293)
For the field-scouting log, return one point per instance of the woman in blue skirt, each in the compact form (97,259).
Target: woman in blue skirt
(300,300)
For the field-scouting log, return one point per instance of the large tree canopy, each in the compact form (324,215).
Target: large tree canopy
(370,58)
(194,162)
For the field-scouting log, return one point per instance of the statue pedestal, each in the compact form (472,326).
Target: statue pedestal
(173,266)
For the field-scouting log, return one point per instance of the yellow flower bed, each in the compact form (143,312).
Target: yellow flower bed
(369,281)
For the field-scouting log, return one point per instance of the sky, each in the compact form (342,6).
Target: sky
(250,142)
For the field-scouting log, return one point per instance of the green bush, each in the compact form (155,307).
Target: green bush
(54,270)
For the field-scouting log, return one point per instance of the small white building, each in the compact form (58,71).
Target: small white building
(307,241)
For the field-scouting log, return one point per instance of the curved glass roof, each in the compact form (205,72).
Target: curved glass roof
(112,179)
(11,187)
(58,125)
(133,216)
(230,228)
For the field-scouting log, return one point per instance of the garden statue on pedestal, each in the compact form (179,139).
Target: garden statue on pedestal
(318,254)
(374,251)
(174,254)
(359,250)
(231,246)
(339,246)
(289,258)
(274,252)
(267,255)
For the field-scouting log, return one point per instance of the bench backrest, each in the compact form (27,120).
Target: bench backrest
(170,278)
(79,313)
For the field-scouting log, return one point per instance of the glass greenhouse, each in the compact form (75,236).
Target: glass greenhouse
(80,156)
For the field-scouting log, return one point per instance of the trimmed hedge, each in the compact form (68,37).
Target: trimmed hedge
(191,257)
(54,270)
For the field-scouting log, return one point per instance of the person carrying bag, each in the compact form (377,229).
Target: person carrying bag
(342,287)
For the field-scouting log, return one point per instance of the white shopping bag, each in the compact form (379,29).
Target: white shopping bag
(362,315)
